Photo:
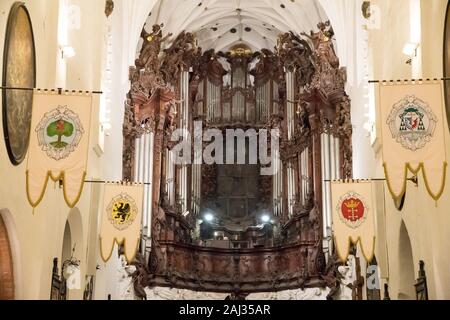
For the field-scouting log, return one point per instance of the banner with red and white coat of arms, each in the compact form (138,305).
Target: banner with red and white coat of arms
(354,210)
(412,131)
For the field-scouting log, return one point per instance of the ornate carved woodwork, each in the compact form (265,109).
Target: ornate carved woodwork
(208,66)
(268,67)
(324,99)
(150,107)
(297,262)
(149,57)
(295,54)
(332,276)
(358,284)
(144,111)
(179,56)
(58,289)
(244,270)
(141,276)
(295,258)
(290,149)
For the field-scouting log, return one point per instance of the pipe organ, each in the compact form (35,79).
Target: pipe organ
(239,101)
(224,226)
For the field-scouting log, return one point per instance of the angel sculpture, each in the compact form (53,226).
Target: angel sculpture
(323,44)
(296,54)
(151,48)
(179,56)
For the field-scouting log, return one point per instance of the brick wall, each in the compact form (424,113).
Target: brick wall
(6,266)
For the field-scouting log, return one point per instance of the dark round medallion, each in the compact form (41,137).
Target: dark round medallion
(19,71)
(447,62)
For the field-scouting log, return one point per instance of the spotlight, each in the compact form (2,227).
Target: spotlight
(410,49)
(209,217)
(107,126)
(265,218)
(67,52)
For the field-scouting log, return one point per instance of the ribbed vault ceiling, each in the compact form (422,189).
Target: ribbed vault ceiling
(220,24)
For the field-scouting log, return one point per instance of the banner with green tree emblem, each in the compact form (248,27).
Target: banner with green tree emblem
(58,144)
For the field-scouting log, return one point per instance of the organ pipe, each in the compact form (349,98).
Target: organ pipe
(143,174)
(184,125)
(330,171)
(290,83)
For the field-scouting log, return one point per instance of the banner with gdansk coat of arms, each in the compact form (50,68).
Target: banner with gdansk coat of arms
(412,130)
(354,210)
(121,219)
(59,144)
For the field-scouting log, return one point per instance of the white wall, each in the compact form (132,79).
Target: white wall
(427,222)
(40,232)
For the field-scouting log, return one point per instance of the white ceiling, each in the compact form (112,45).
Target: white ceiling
(254,22)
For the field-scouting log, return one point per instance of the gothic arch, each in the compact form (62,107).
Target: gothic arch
(6,265)
(75,230)
(67,244)
(72,246)
(10,280)
(406,265)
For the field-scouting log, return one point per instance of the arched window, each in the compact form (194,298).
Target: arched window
(447,60)
(407,279)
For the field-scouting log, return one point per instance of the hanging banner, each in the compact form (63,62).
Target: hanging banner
(121,221)
(412,130)
(58,144)
(353,217)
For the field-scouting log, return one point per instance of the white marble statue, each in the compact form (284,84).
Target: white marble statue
(126,288)
(348,274)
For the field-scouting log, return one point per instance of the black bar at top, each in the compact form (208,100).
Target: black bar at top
(105,182)
(409,179)
(59,90)
(354,180)
(409,80)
